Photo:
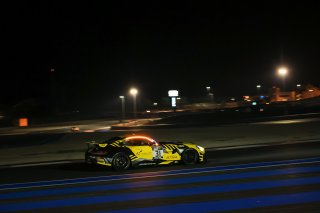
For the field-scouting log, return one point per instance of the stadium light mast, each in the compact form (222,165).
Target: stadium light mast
(134,92)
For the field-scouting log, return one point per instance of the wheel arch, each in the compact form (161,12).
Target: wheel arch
(190,149)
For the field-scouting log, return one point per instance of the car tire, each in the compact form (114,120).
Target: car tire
(120,161)
(189,156)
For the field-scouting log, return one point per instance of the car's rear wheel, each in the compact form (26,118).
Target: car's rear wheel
(121,161)
(189,156)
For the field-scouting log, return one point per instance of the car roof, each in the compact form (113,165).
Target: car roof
(140,137)
(129,137)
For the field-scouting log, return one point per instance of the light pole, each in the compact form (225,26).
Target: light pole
(283,72)
(54,90)
(258,89)
(298,87)
(134,92)
(298,93)
(122,108)
(210,94)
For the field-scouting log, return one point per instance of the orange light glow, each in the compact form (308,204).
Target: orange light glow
(23,122)
(142,137)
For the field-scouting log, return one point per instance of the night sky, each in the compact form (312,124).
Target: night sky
(99,49)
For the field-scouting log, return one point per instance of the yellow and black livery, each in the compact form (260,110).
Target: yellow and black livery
(120,153)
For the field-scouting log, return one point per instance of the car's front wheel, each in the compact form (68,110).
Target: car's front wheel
(121,161)
(189,156)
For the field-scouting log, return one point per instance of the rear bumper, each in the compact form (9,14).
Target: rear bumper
(93,159)
(90,159)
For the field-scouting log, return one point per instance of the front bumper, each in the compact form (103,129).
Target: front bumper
(205,158)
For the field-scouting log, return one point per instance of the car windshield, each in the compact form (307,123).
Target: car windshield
(112,139)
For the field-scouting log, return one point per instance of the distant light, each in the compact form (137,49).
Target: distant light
(267,103)
(133,91)
(173,93)
(254,103)
(298,85)
(258,86)
(148,111)
(23,122)
(178,98)
(282,71)
(262,96)
(310,90)
(246,97)
(261,110)
(75,129)
(232,99)
(155,104)
(282,122)
(208,88)
(121,96)
(52,70)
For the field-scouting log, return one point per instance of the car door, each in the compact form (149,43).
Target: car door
(171,152)
(140,148)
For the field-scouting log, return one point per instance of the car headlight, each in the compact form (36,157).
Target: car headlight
(201,148)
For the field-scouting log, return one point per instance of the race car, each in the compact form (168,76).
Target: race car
(124,152)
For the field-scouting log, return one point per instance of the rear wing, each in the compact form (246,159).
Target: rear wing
(91,144)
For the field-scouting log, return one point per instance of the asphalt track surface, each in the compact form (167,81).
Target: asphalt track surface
(283,178)
(46,144)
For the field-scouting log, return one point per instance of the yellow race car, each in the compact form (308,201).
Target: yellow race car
(120,153)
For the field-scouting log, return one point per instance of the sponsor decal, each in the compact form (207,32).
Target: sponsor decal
(172,157)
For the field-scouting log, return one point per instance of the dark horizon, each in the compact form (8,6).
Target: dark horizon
(100,50)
